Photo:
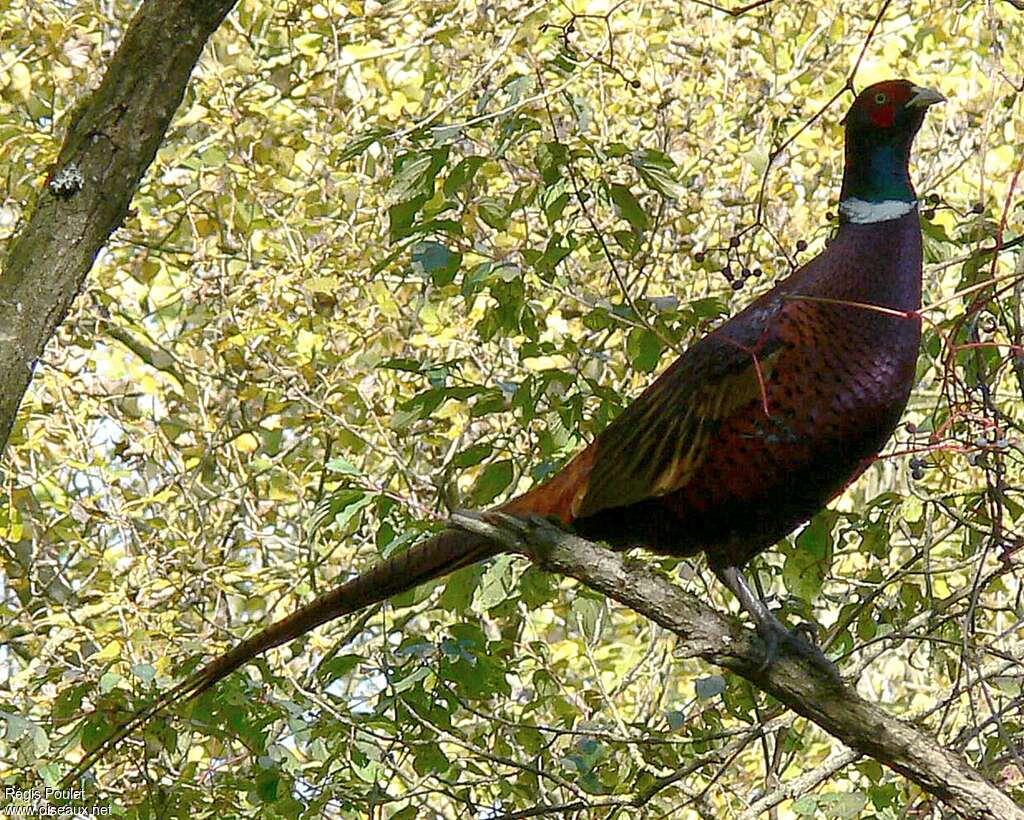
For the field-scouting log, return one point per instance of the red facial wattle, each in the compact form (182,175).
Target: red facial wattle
(884,116)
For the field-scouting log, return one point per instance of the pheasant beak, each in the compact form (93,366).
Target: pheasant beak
(923,97)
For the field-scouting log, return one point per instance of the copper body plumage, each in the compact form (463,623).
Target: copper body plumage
(757,426)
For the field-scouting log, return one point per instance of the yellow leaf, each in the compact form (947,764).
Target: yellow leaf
(563,650)
(1000,159)
(110,652)
(307,342)
(309,43)
(358,51)
(386,303)
(21,80)
(247,443)
(546,363)
(196,113)
(304,162)
(323,284)
(259,240)
(913,509)
(758,159)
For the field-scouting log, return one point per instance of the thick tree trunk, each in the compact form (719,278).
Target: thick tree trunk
(799,684)
(111,139)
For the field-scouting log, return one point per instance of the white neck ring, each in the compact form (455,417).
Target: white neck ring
(862,212)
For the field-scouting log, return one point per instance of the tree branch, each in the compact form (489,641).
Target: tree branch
(111,140)
(801,785)
(721,640)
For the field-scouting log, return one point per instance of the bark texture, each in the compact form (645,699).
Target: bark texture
(111,139)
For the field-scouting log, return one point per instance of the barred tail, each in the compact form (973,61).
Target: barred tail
(443,553)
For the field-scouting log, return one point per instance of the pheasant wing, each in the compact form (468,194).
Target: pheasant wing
(655,446)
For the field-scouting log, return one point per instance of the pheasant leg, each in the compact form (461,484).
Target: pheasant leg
(769,628)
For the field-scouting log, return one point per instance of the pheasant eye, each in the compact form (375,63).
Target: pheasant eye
(881,99)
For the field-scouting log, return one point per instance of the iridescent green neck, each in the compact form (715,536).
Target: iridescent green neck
(876,171)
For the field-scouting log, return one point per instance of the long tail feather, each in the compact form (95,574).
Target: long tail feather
(437,556)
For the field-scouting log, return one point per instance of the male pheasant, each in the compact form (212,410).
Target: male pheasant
(747,434)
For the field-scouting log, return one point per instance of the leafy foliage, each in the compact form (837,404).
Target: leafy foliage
(393,256)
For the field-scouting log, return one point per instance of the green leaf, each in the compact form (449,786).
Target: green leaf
(435,260)
(935,231)
(675,719)
(589,614)
(361,143)
(709,687)
(495,478)
(658,171)
(340,666)
(109,680)
(536,588)
(554,199)
(268,782)
(16,726)
(493,212)
(477,277)
(627,240)
(411,186)
(628,206)
(414,177)
(842,806)
(557,249)
(644,349)
(809,561)
(309,43)
(472,456)
(429,759)
(94,732)
(343,466)
(460,587)
(431,226)
(550,159)
(353,502)
(492,401)
(497,582)
(398,363)
(462,174)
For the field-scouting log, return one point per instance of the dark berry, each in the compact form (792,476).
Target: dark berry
(745,273)
(756,272)
(801,245)
(737,284)
(910,427)
(917,474)
(698,257)
(829,216)
(977,208)
(734,242)
(929,214)
(635,83)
